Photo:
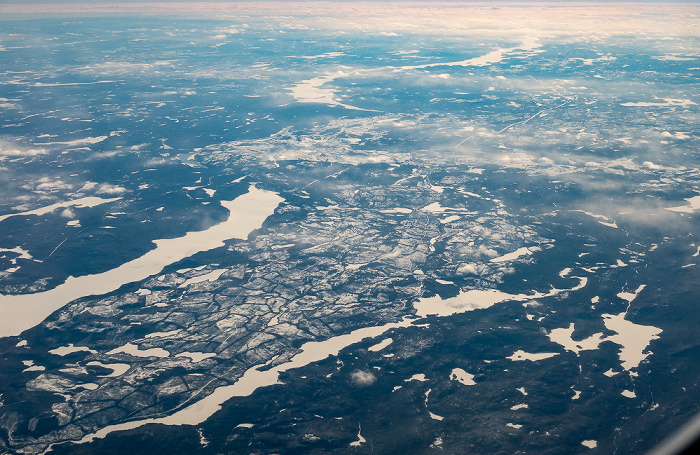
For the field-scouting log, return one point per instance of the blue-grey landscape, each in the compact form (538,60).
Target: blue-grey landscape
(348,227)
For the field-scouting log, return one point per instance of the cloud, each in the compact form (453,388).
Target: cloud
(473,269)
(68,213)
(363,378)
(106,188)
(46,184)
(9,148)
(104,155)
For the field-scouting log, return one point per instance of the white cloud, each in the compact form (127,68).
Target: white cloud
(68,213)
(473,269)
(363,378)
(9,148)
(45,184)
(106,188)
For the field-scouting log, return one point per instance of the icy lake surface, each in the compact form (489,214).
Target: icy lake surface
(246,213)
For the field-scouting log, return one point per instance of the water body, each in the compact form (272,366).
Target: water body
(313,90)
(254,379)
(480,299)
(78,203)
(246,213)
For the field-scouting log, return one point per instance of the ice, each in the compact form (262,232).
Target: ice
(189,269)
(628,394)
(631,296)
(563,337)
(666,102)
(31,367)
(479,299)
(694,205)
(462,376)
(312,91)
(169,334)
(450,219)
(254,379)
(118,369)
(610,373)
(397,210)
(602,219)
(246,213)
(211,276)
(416,377)
(196,356)
(22,253)
(134,351)
(633,338)
(381,345)
(327,207)
(360,439)
(484,60)
(78,203)
(590,443)
(517,426)
(435,416)
(436,207)
(521,355)
(65,350)
(519,406)
(515,254)
(465,301)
